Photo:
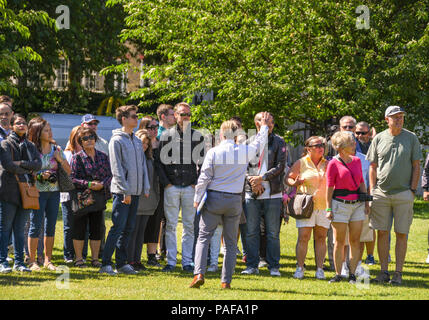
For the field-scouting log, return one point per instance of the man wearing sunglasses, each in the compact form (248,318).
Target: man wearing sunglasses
(363,135)
(181,155)
(90,121)
(347,123)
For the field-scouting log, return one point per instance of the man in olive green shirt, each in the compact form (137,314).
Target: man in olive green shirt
(395,156)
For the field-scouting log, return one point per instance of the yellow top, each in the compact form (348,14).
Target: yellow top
(315,180)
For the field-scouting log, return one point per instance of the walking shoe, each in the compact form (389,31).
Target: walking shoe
(188,268)
(225,285)
(352,278)
(168,268)
(337,278)
(21,268)
(197,282)
(138,266)
(320,274)
(108,270)
(299,273)
(382,277)
(153,262)
(345,270)
(370,260)
(127,269)
(275,272)
(212,268)
(262,263)
(5,269)
(396,278)
(359,269)
(250,270)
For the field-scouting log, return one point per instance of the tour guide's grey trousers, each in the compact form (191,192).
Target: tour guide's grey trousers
(219,208)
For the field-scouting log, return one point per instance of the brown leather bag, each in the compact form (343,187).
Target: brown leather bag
(29,193)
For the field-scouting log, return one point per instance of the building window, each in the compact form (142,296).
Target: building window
(62,75)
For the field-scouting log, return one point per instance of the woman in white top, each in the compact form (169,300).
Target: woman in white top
(308,176)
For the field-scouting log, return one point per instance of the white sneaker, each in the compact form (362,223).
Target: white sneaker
(345,270)
(275,272)
(427,259)
(108,270)
(127,269)
(320,274)
(212,268)
(299,273)
(4,269)
(21,268)
(250,271)
(359,270)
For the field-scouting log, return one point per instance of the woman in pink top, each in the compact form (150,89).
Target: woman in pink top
(344,181)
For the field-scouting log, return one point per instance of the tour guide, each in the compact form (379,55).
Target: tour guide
(222,176)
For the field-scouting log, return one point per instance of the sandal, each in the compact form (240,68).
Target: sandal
(50,266)
(34,266)
(80,264)
(96,264)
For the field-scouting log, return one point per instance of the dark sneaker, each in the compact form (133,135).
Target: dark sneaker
(396,278)
(188,268)
(168,268)
(352,278)
(153,262)
(382,277)
(138,266)
(370,260)
(337,278)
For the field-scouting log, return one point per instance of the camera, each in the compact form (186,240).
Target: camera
(52,177)
(365,197)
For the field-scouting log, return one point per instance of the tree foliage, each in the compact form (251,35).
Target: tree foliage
(302,60)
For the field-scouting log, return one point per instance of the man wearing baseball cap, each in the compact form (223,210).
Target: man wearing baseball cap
(394,172)
(90,121)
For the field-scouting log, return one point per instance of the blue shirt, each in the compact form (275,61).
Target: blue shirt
(224,167)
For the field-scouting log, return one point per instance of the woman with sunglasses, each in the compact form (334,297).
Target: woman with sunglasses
(90,169)
(20,159)
(308,176)
(40,133)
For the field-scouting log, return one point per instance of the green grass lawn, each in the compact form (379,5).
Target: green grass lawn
(87,284)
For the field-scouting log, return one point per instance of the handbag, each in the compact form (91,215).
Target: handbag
(87,200)
(29,192)
(65,183)
(300,206)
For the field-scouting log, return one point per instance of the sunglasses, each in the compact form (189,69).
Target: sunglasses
(20,123)
(86,138)
(95,123)
(134,116)
(348,127)
(361,133)
(185,114)
(319,145)
(152,127)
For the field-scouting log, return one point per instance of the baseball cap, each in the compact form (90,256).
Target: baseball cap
(88,118)
(390,111)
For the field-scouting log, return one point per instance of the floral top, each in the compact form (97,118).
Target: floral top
(49,163)
(82,172)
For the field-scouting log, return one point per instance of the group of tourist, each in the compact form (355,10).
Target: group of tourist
(159,168)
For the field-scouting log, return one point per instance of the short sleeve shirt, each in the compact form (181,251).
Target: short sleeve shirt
(394,156)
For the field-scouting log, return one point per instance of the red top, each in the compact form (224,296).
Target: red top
(339,177)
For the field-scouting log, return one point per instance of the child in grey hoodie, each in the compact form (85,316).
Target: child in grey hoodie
(130,178)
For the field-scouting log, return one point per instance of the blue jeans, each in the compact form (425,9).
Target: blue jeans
(68,240)
(49,204)
(271,210)
(12,218)
(123,219)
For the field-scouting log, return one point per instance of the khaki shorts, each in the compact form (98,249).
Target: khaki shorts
(318,218)
(344,212)
(397,207)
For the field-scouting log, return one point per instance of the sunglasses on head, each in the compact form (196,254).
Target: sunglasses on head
(86,138)
(185,114)
(348,127)
(319,145)
(361,133)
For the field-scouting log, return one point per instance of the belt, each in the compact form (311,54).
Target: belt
(222,192)
(346,201)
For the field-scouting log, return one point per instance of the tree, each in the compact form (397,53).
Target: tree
(302,60)
(15,27)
